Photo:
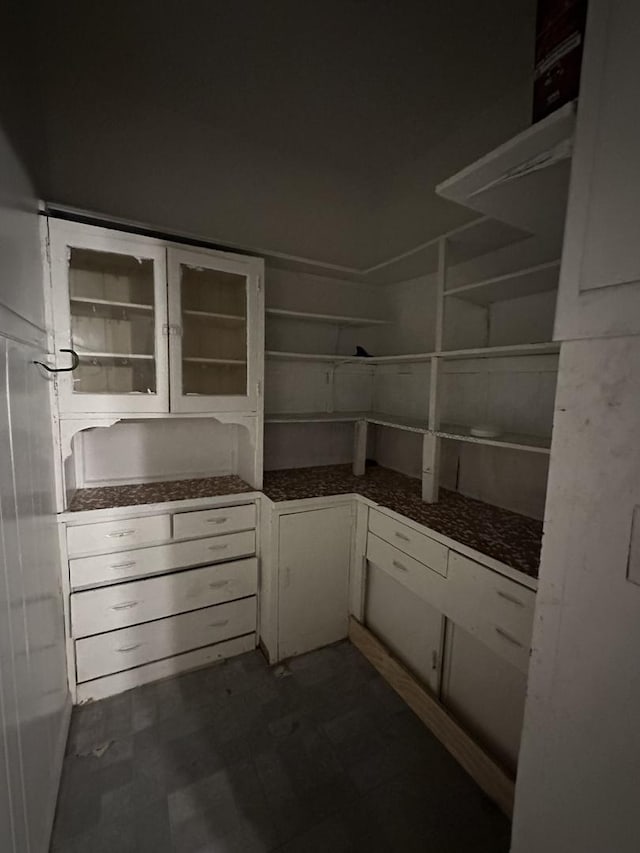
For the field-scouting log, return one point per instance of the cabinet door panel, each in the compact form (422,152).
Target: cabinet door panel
(599,293)
(485,692)
(110,307)
(314,556)
(407,625)
(216,331)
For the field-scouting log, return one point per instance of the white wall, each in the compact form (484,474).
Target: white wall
(34,700)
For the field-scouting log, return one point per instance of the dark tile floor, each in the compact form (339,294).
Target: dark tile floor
(318,755)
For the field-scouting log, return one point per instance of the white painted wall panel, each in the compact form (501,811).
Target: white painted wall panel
(33,688)
(155,450)
(578,775)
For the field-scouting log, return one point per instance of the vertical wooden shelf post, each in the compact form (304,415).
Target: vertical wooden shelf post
(430,442)
(359,447)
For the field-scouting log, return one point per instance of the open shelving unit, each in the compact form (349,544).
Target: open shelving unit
(473,311)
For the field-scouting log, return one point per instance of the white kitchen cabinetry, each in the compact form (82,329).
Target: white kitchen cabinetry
(157,328)
(314,550)
(150,592)
(485,693)
(109,306)
(216,350)
(409,627)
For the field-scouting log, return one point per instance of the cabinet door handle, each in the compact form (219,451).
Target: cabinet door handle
(398,565)
(116,534)
(123,565)
(126,605)
(510,598)
(218,547)
(220,624)
(217,584)
(217,520)
(130,648)
(506,636)
(402,536)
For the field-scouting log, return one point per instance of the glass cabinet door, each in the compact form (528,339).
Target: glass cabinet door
(215,331)
(110,295)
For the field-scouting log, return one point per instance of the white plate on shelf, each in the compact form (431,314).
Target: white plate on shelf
(484,431)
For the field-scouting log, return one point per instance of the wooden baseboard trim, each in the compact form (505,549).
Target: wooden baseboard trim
(487,773)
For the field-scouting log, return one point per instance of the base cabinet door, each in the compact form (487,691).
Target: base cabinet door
(313,594)
(410,627)
(485,693)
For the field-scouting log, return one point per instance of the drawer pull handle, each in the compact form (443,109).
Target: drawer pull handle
(218,547)
(510,598)
(126,605)
(398,565)
(217,520)
(217,584)
(117,534)
(508,637)
(123,565)
(403,537)
(220,624)
(129,648)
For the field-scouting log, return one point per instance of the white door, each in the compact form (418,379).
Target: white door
(599,293)
(216,331)
(313,601)
(109,307)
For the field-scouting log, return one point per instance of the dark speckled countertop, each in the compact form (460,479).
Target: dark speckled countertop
(107,497)
(506,536)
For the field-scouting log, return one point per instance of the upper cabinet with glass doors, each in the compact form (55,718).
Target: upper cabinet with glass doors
(156,329)
(215,331)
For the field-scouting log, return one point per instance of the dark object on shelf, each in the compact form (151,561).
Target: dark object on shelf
(362,353)
(560,27)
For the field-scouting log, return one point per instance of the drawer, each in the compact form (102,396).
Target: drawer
(112,535)
(493,608)
(119,650)
(113,568)
(415,576)
(415,544)
(112,607)
(209,522)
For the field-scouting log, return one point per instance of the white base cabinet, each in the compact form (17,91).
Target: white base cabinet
(314,550)
(407,625)
(485,693)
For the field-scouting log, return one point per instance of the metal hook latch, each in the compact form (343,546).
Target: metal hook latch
(75,361)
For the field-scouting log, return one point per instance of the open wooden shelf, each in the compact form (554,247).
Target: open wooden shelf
(310,356)
(194,360)
(312,417)
(524,282)
(231,319)
(355,359)
(525,181)
(551,348)
(118,356)
(332,319)
(379,418)
(514,441)
(105,307)
(476,238)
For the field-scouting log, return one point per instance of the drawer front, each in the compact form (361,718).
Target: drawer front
(491,607)
(129,647)
(210,522)
(415,544)
(112,535)
(106,568)
(124,604)
(425,583)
